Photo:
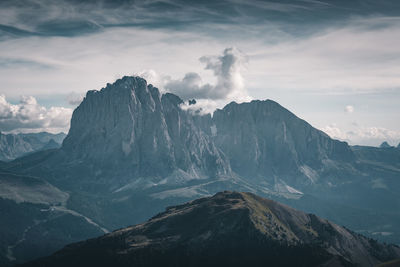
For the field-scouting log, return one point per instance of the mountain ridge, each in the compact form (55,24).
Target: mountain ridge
(13,146)
(212,231)
(132,151)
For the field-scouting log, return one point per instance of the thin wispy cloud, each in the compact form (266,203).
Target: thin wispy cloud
(10,63)
(361,57)
(73,18)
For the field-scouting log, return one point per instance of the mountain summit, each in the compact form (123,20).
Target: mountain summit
(264,140)
(228,229)
(129,126)
(385,145)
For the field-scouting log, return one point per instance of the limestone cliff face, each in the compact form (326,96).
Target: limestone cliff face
(130,125)
(263,139)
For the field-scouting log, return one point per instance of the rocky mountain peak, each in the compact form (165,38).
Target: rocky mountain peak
(128,126)
(385,144)
(263,139)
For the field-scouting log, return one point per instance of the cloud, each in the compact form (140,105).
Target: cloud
(349,109)
(360,56)
(29,116)
(74,99)
(191,86)
(365,59)
(151,76)
(227,70)
(89,62)
(15,62)
(72,18)
(359,135)
(203,106)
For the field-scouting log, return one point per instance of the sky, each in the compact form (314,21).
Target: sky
(333,63)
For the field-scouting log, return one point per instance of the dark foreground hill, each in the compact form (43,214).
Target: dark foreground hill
(228,229)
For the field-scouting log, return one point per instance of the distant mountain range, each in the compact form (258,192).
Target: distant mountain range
(13,146)
(228,229)
(132,151)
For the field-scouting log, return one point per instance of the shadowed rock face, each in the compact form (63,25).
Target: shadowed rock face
(235,229)
(263,139)
(129,126)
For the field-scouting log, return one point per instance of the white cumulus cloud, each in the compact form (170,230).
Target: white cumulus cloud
(74,99)
(349,109)
(229,86)
(227,69)
(29,116)
(360,135)
(151,76)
